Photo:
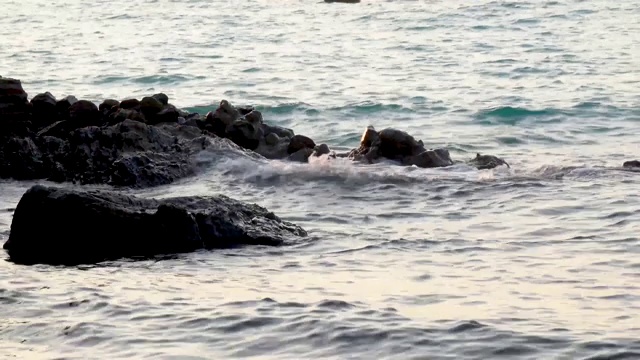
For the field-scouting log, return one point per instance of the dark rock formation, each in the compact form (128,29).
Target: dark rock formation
(163,98)
(84,113)
(129,153)
(44,109)
(107,105)
(631,164)
(343,1)
(398,145)
(63,105)
(14,109)
(486,162)
(151,142)
(130,104)
(299,142)
(69,227)
(150,107)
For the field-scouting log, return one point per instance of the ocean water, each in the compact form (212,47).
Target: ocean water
(537,261)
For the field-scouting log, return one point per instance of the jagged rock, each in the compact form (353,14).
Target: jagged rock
(163,98)
(299,142)
(631,164)
(226,113)
(180,131)
(107,105)
(280,131)
(301,155)
(218,121)
(133,104)
(483,162)
(84,113)
(63,106)
(70,227)
(44,109)
(106,155)
(148,169)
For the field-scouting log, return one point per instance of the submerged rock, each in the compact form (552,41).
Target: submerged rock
(483,162)
(63,105)
(429,159)
(68,227)
(631,164)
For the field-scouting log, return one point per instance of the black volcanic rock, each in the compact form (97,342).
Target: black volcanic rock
(631,164)
(44,109)
(69,227)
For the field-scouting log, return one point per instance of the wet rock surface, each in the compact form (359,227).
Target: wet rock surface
(63,226)
(148,142)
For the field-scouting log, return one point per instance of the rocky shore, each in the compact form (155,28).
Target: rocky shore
(148,142)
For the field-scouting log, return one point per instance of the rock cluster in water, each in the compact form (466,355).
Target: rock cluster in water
(62,226)
(147,142)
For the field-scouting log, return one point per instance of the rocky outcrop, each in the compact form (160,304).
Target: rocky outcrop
(398,145)
(631,164)
(150,142)
(129,153)
(69,227)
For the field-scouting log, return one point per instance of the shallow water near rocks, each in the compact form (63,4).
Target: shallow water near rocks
(537,261)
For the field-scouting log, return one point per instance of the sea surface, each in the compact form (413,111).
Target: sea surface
(537,261)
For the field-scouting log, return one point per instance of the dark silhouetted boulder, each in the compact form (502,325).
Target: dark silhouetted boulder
(84,113)
(133,104)
(69,227)
(107,105)
(150,107)
(631,164)
(163,98)
(299,142)
(63,105)
(15,110)
(44,110)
